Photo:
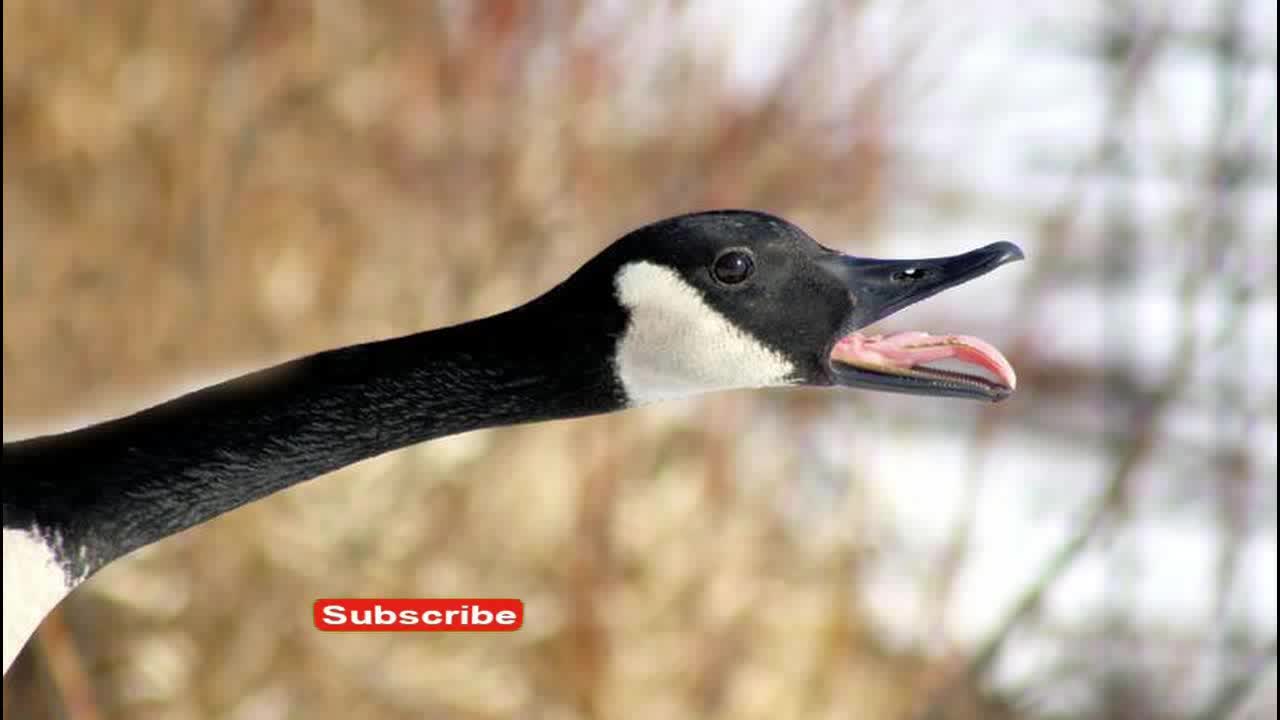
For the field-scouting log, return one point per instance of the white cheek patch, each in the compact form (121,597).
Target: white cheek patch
(677,345)
(34,583)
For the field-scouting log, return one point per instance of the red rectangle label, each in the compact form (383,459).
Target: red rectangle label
(418,614)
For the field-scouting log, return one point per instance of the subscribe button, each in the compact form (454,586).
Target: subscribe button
(418,615)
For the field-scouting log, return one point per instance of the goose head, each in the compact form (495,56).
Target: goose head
(742,299)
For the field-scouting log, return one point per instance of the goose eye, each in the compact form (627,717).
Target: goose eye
(733,267)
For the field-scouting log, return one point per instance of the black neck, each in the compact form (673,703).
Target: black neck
(108,489)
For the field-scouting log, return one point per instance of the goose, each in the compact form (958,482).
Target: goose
(696,303)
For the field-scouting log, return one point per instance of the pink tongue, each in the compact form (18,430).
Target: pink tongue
(904,351)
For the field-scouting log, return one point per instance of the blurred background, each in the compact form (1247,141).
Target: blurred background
(196,189)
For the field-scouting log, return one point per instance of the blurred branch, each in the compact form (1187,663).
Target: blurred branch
(1055,234)
(1224,178)
(1062,560)
(1145,408)
(70,681)
(1239,690)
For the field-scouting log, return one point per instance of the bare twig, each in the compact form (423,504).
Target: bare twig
(1235,694)
(62,657)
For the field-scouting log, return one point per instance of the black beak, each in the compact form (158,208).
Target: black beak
(879,288)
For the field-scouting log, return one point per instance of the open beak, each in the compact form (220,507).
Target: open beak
(915,362)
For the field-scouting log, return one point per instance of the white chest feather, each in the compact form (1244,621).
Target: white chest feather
(677,345)
(33,584)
